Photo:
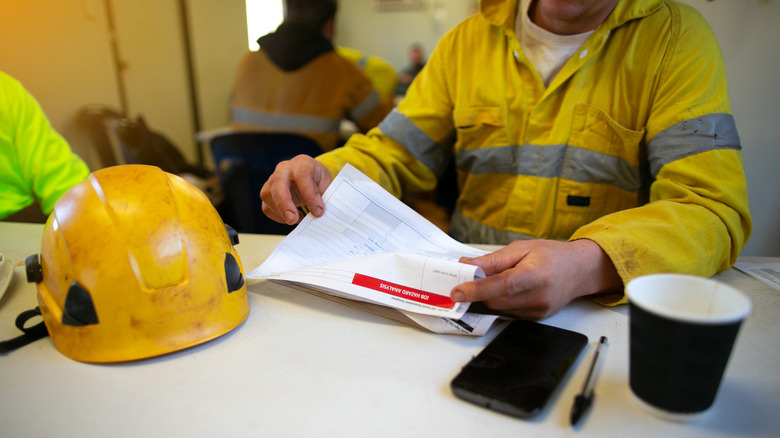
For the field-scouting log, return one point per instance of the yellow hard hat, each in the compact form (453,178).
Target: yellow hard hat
(134,263)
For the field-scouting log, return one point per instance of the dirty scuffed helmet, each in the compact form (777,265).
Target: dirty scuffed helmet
(134,263)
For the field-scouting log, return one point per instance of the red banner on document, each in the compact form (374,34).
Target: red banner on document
(408,293)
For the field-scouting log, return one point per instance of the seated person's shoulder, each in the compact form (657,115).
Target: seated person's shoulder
(337,63)
(252,57)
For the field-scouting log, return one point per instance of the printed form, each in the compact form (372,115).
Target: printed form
(370,246)
(767,273)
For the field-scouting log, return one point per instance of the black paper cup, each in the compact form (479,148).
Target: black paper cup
(682,330)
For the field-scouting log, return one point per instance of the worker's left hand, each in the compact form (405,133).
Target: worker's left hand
(534,279)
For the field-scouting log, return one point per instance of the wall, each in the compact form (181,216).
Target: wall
(61,51)
(154,67)
(219,38)
(389,34)
(748,33)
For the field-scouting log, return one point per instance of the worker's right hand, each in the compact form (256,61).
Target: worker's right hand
(300,181)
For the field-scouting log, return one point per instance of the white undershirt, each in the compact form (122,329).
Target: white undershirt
(547,51)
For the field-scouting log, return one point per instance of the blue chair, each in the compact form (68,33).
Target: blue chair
(244,161)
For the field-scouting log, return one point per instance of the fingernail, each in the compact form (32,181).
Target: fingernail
(458,297)
(316,211)
(290,217)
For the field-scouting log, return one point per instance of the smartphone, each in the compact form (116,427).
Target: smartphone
(519,370)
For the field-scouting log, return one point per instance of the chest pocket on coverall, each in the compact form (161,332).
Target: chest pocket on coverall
(600,173)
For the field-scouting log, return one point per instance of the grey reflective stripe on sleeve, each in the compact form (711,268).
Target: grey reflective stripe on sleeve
(568,162)
(691,137)
(366,106)
(398,127)
(286,122)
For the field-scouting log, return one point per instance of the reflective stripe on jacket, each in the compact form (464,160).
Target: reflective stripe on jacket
(632,145)
(311,100)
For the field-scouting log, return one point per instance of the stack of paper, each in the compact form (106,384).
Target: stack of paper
(369,249)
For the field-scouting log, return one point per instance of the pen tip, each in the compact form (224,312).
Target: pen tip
(581,403)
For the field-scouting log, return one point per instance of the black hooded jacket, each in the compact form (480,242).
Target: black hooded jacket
(291,46)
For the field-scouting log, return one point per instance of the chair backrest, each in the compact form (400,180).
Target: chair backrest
(94,120)
(136,143)
(244,161)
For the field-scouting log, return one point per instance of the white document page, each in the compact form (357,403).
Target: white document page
(370,246)
(767,273)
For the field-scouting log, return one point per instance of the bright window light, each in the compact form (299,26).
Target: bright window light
(262,17)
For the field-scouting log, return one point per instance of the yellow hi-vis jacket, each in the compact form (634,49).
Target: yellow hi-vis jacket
(310,101)
(632,145)
(36,162)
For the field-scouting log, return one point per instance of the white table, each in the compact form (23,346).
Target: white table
(305,366)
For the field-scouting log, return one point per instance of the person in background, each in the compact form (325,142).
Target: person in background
(593,138)
(416,63)
(36,163)
(297,82)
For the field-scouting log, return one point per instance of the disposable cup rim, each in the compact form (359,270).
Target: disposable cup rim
(638,299)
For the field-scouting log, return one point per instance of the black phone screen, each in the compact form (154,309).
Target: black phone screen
(517,372)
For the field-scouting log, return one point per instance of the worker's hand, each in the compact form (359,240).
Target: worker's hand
(533,279)
(300,181)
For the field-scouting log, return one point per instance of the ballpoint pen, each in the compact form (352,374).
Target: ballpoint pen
(584,399)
